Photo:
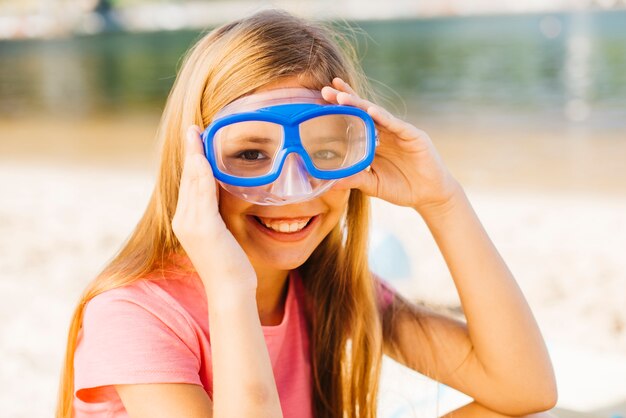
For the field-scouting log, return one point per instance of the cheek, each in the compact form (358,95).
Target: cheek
(231,208)
(337,203)
(337,200)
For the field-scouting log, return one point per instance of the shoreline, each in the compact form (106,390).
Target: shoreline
(494,158)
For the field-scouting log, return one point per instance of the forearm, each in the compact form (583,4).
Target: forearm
(475,410)
(243,379)
(503,332)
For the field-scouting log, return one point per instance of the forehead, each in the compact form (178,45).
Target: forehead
(272,97)
(289,82)
(293,89)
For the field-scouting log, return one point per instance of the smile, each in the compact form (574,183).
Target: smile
(285,229)
(285,225)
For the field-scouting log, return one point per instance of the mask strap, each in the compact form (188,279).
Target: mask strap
(271,98)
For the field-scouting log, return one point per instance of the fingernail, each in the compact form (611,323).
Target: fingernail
(343,93)
(191,133)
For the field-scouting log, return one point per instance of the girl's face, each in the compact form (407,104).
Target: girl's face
(259,229)
(282,237)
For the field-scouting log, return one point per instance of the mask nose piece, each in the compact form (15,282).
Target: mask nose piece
(293,179)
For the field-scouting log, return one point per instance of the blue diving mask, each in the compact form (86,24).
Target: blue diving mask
(287,145)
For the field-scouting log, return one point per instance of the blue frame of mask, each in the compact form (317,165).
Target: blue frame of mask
(289,116)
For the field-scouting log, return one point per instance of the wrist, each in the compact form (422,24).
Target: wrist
(441,208)
(228,298)
(233,280)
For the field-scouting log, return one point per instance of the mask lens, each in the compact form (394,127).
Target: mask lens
(247,149)
(334,142)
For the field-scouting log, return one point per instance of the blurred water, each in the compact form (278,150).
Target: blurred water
(531,61)
(557,68)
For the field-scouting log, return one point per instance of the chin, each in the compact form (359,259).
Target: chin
(287,260)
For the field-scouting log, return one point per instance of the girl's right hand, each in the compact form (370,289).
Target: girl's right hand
(218,258)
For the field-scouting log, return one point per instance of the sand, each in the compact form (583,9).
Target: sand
(63,216)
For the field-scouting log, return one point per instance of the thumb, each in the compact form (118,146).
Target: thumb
(194,153)
(196,165)
(193,143)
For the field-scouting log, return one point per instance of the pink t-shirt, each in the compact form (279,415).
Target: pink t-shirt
(157,331)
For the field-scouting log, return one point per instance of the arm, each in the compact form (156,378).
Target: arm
(508,367)
(445,354)
(499,357)
(165,400)
(475,410)
(243,379)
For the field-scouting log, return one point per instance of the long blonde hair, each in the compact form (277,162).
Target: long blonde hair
(229,62)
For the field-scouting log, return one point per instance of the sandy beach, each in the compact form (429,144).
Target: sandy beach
(73,191)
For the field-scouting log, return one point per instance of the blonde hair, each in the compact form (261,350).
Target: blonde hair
(229,62)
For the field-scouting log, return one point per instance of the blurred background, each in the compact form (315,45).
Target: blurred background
(525,101)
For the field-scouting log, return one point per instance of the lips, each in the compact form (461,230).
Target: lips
(285,225)
(285,229)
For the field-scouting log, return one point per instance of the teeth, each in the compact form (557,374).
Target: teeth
(285,227)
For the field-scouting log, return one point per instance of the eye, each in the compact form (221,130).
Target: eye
(251,155)
(325,154)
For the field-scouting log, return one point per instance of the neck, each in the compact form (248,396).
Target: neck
(271,295)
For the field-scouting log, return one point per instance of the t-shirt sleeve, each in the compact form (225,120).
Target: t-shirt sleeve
(386,293)
(126,340)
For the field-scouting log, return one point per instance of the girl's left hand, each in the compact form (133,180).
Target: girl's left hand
(407,170)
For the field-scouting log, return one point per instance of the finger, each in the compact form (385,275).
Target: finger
(205,185)
(193,146)
(329,94)
(366,181)
(200,173)
(383,118)
(193,142)
(339,84)
(346,98)
(202,181)
(387,121)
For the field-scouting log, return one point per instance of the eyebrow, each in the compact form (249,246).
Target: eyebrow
(255,139)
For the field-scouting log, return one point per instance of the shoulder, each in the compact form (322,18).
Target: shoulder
(151,298)
(129,334)
(131,292)
(384,292)
(137,314)
(119,301)
(132,301)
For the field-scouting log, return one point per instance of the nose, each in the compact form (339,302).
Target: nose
(293,179)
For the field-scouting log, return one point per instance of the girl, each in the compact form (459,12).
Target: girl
(238,299)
